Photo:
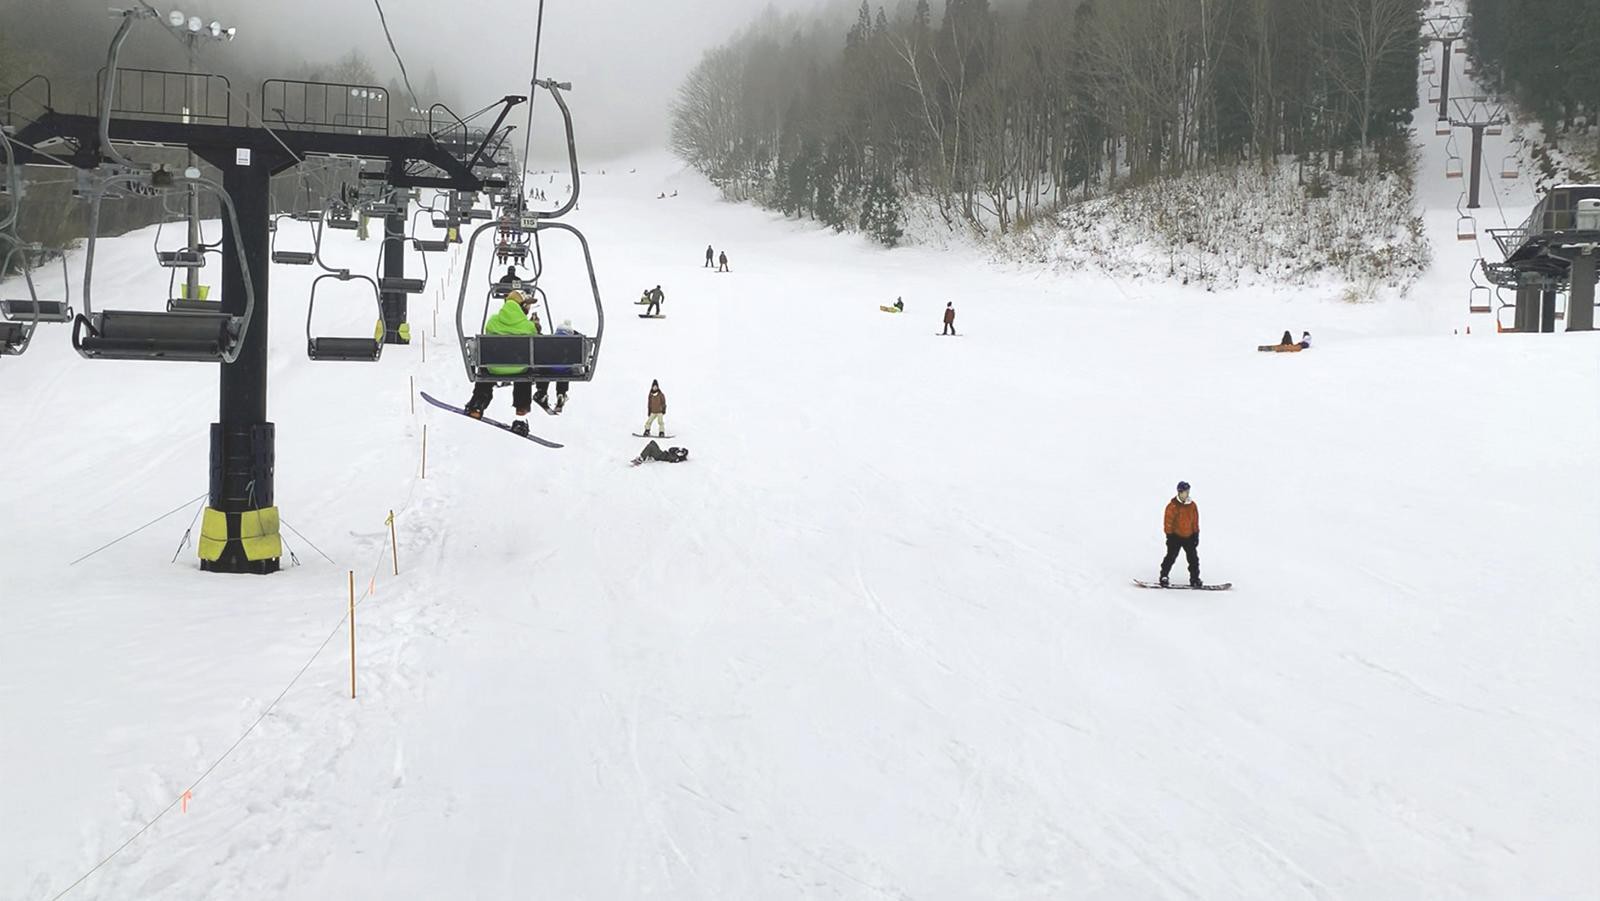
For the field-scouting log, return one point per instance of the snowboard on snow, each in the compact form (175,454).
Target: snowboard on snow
(656,316)
(487,421)
(656,437)
(1183,586)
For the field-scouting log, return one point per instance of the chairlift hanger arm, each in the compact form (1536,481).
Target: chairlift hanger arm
(555,88)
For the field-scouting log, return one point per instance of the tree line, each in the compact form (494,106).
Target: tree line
(996,114)
(1545,56)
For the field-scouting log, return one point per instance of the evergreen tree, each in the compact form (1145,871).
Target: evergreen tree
(880,211)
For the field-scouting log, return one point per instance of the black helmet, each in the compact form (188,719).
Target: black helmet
(1183,486)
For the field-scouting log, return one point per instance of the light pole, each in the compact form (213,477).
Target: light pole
(193,30)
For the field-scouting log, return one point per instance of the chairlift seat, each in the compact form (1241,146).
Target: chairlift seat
(181,259)
(344,350)
(477,215)
(402,285)
(48,311)
(139,335)
(502,290)
(546,357)
(312,217)
(446,222)
(14,337)
(344,225)
(185,305)
(424,245)
(293,257)
(1441,127)
(384,209)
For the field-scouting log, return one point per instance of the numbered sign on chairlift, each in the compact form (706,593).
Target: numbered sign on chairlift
(530,222)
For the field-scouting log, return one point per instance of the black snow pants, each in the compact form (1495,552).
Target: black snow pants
(483,395)
(1190,547)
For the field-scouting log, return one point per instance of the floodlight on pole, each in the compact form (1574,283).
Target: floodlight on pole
(216,29)
(195,24)
(176,18)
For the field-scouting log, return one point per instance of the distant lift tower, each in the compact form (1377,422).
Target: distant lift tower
(1445,30)
(1481,114)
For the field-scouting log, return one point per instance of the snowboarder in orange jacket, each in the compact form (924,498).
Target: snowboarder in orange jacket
(1182,527)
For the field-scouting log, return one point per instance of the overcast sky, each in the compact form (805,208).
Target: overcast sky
(625,58)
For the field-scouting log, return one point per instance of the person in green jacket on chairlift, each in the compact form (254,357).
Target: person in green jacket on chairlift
(513,319)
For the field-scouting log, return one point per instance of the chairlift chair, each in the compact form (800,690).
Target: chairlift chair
(1479,299)
(344,350)
(182,258)
(294,257)
(1430,66)
(426,245)
(1510,168)
(401,285)
(31,310)
(1453,167)
(1466,229)
(1441,127)
(1494,130)
(543,358)
(340,218)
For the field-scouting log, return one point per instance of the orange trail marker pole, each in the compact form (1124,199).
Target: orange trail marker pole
(394,544)
(186,796)
(352,634)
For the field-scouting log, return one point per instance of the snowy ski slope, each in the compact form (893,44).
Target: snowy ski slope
(875,640)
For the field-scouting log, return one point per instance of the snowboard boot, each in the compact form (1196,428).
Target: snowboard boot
(1196,583)
(520,427)
(523,411)
(1165,582)
(474,412)
(561,401)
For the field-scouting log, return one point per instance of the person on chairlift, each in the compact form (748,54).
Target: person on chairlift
(513,319)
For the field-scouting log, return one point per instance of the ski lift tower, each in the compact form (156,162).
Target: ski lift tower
(1481,114)
(1555,250)
(141,108)
(1445,31)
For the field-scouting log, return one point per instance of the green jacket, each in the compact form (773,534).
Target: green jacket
(510,321)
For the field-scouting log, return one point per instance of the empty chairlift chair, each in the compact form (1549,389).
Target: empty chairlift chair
(1510,168)
(181,258)
(1441,127)
(1453,167)
(426,245)
(1480,300)
(344,350)
(21,316)
(1466,229)
(294,257)
(210,337)
(401,285)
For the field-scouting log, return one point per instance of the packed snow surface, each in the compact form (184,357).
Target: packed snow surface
(875,639)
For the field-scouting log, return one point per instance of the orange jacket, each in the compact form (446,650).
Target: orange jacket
(1182,520)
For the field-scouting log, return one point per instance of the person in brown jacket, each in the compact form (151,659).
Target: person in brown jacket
(656,407)
(1182,525)
(949,320)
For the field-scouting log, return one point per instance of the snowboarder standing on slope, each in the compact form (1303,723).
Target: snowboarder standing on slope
(949,320)
(722,261)
(1182,525)
(511,320)
(656,408)
(655,296)
(710,256)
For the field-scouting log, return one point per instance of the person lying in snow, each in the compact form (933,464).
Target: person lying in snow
(653,451)
(1287,345)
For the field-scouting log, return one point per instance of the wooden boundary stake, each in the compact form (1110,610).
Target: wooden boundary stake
(424,347)
(424,450)
(394,544)
(352,634)
(412,381)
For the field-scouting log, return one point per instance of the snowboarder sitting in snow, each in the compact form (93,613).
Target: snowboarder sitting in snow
(513,319)
(1286,346)
(656,410)
(949,320)
(1182,525)
(899,307)
(653,451)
